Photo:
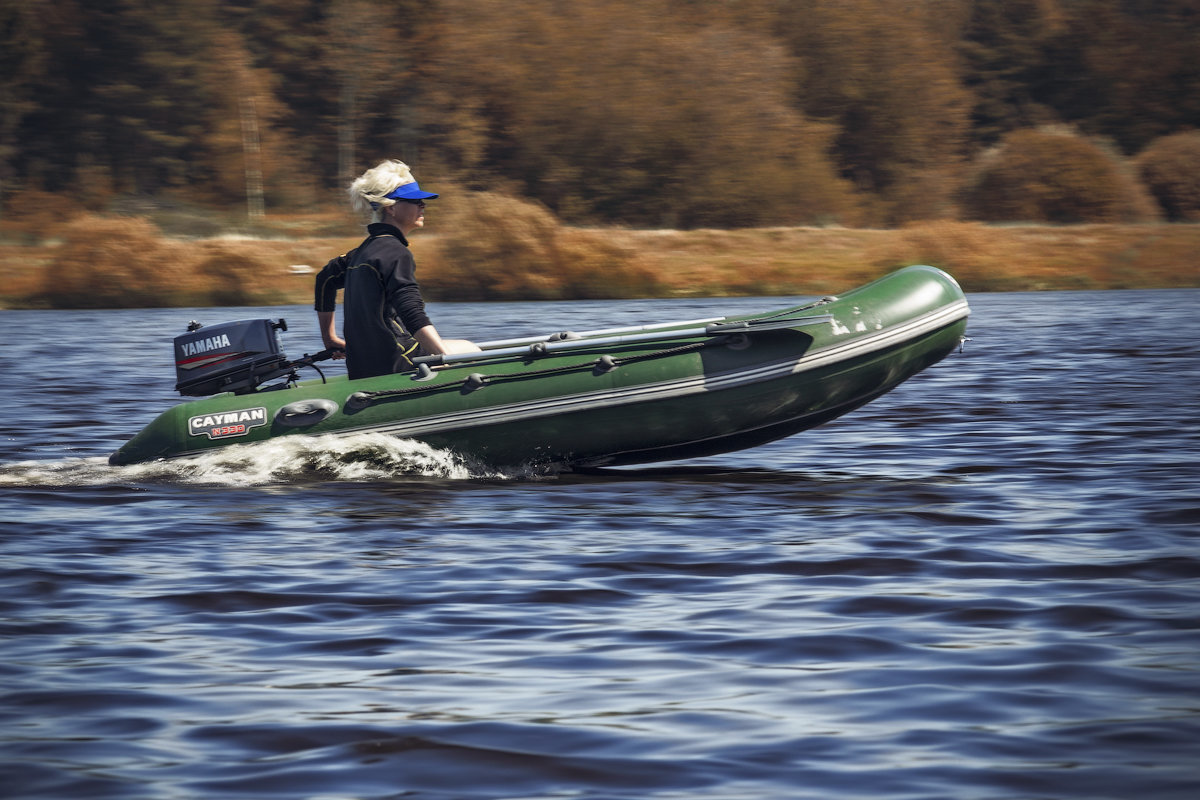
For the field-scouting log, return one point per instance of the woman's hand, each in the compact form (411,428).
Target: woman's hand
(329,336)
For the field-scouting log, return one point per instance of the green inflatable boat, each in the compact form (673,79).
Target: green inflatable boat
(598,398)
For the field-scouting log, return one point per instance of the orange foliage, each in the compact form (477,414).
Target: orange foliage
(499,248)
(1054,176)
(646,113)
(1170,168)
(109,262)
(633,115)
(126,262)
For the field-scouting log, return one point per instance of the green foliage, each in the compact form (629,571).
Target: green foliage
(1170,168)
(1053,176)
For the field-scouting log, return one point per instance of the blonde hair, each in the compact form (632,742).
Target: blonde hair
(368,190)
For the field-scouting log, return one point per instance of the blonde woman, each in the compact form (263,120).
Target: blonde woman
(385,322)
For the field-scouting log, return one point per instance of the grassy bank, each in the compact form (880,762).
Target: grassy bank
(983,258)
(111,262)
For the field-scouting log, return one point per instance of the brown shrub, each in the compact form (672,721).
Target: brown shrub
(1170,168)
(496,247)
(113,263)
(591,265)
(230,276)
(1050,175)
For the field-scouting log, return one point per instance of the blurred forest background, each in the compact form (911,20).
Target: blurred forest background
(550,125)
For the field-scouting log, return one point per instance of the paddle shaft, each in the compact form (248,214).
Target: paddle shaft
(540,347)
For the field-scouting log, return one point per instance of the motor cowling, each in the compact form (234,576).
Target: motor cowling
(229,357)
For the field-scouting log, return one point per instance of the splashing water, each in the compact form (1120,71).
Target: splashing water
(361,457)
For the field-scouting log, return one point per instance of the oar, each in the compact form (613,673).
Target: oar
(769,324)
(540,348)
(600,332)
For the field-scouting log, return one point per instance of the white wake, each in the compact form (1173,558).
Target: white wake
(290,459)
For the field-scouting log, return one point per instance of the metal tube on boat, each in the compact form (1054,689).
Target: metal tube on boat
(600,332)
(540,348)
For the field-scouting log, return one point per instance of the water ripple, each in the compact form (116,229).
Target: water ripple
(982,585)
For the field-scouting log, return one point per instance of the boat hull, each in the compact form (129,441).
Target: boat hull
(605,400)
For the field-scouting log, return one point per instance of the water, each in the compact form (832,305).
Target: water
(983,585)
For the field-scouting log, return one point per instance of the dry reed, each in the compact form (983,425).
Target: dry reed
(502,250)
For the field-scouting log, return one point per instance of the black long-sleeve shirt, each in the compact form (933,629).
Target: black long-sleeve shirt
(383,303)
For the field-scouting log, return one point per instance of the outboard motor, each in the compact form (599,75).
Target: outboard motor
(229,357)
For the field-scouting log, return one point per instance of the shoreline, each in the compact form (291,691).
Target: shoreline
(235,269)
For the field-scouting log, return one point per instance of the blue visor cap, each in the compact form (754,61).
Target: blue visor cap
(409,191)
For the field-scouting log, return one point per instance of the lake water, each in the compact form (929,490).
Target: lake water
(982,585)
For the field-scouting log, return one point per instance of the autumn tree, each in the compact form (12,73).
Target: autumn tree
(23,59)
(662,112)
(1170,168)
(1128,71)
(617,112)
(1054,175)
(361,53)
(145,92)
(1009,66)
(286,39)
(880,73)
(245,150)
(347,74)
(126,101)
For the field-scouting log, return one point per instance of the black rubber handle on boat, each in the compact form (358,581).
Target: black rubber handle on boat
(324,355)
